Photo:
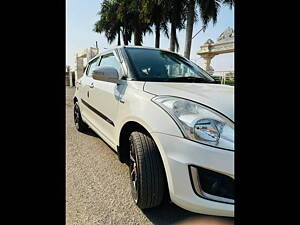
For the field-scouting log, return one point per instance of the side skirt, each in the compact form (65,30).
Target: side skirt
(100,134)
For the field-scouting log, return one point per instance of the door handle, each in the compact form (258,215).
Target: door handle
(91,85)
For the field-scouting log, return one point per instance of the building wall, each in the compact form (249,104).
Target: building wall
(67,79)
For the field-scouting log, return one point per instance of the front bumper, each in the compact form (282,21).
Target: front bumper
(177,155)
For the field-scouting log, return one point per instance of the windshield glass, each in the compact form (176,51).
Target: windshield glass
(157,65)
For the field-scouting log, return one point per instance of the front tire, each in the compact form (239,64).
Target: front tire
(146,171)
(79,124)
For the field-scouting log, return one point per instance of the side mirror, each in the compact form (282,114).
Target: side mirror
(106,73)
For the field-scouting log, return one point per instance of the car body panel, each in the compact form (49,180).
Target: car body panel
(216,96)
(138,107)
(177,153)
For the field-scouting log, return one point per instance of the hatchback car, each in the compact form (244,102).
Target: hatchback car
(168,120)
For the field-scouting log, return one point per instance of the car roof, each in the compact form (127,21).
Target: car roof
(135,46)
(128,46)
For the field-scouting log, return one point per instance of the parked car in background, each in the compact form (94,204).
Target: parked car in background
(168,120)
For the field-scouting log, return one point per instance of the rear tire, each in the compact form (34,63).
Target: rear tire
(79,124)
(146,171)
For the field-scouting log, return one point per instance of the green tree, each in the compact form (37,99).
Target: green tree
(154,12)
(176,16)
(129,13)
(124,17)
(109,23)
(127,17)
(209,10)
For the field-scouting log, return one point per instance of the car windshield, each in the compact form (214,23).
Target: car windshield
(164,66)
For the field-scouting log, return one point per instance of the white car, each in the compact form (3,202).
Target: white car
(168,120)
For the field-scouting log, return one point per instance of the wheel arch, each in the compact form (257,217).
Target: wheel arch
(123,147)
(125,131)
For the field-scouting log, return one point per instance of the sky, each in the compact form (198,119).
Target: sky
(81,16)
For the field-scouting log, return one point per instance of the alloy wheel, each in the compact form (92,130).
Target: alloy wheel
(133,171)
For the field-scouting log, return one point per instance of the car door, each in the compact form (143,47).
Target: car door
(105,99)
(86,85)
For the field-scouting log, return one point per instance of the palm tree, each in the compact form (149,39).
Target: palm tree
(109,22)
(124,17)
(136,17)
(208,11)
(176,16)
(190,19)
(129,13)
(154,12)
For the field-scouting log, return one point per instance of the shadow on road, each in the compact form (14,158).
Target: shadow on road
(90,132)
(93,134)
(169,213)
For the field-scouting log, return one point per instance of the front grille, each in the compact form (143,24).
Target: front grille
(212,185)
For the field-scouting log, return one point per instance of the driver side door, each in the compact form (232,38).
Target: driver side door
(105,99)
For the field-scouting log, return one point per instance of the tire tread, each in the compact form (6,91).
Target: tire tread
(152,180)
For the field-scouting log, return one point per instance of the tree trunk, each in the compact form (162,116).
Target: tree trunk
(138,38)
(172,37)
(157,35)
(189,28)
(125,40)
(119,37)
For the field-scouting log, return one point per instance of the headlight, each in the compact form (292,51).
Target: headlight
(199,123)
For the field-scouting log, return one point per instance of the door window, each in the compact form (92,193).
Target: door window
(92,66)
(110,60)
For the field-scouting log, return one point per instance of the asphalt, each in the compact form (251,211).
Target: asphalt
(97,184)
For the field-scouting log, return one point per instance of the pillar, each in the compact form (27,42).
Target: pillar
(70,79)
(78,67)
(207,61)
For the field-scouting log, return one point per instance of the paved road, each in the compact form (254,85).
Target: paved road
(97,184)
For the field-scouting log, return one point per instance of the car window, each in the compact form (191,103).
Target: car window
(157,65)
(92,66)
(110,60)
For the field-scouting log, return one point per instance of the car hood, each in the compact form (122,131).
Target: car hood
(216,96)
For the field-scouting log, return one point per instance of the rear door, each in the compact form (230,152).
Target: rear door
(85,92)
